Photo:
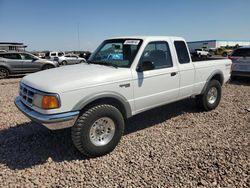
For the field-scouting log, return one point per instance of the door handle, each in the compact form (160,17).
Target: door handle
(125,85)
(173,73)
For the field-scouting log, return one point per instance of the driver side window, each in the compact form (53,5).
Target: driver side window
(158,53)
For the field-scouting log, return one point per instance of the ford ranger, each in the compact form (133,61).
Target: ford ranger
(123,77)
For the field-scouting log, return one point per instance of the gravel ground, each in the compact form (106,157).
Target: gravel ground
(172,146)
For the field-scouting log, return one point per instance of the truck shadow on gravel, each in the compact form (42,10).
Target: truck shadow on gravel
(29,144)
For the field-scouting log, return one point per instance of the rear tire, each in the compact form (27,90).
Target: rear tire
(98,130)
(210,99)
(4,73)
(64,63)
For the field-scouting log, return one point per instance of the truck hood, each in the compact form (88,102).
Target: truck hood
(73,77)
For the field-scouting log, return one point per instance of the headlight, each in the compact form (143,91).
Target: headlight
(46,101)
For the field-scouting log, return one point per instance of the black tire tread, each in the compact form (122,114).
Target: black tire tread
(201,99)
(76,129)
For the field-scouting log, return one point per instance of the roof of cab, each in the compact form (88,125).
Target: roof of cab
(149,37)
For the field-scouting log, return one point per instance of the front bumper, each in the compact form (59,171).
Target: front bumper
(51,121)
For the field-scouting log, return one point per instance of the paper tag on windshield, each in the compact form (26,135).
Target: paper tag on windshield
(131,42)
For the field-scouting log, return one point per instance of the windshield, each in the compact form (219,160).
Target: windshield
(116,52)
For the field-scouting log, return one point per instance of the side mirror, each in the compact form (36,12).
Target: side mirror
(145,65)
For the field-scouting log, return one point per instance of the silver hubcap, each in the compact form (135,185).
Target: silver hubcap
(212,95)
(102,131)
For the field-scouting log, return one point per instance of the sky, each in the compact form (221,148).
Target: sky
(58,24)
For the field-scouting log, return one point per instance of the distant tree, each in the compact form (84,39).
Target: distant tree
(236,46)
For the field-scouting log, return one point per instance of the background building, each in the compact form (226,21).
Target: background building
(12,46)
(213,44)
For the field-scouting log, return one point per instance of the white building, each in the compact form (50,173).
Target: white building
(212,44)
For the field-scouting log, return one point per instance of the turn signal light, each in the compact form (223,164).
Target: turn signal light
(50,102)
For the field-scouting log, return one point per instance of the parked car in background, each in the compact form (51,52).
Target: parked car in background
(22,62)
(70,59)
(223,51)
(200,53)
(241,62)
(53,55)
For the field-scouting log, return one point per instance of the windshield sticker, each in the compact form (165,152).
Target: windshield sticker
(132,42)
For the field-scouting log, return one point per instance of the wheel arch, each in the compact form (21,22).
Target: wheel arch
(216,75)
(114,99)
(83,59)
(50,64)
(6,67)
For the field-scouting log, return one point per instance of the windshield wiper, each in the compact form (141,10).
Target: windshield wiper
(103,63)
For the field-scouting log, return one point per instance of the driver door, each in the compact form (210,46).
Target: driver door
(30,63)
(73,59)
(157,86)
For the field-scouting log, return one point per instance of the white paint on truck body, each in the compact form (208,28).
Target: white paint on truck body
(147,89)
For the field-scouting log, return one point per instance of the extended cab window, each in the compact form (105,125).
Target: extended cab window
(182,52)
(158,53)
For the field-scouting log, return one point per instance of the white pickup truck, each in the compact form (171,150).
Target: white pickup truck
(200,53)
(123,77)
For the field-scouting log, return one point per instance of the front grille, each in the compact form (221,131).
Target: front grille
(26,94)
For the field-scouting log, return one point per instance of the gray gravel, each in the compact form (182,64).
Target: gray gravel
(172,146)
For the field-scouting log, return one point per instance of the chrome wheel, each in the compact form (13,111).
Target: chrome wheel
(212,95)
(3,73)
(102,131)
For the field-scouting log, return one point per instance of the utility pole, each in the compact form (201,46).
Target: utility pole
(78,37)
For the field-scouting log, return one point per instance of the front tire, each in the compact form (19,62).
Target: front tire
(98,130)
(4,73)
(210,99)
